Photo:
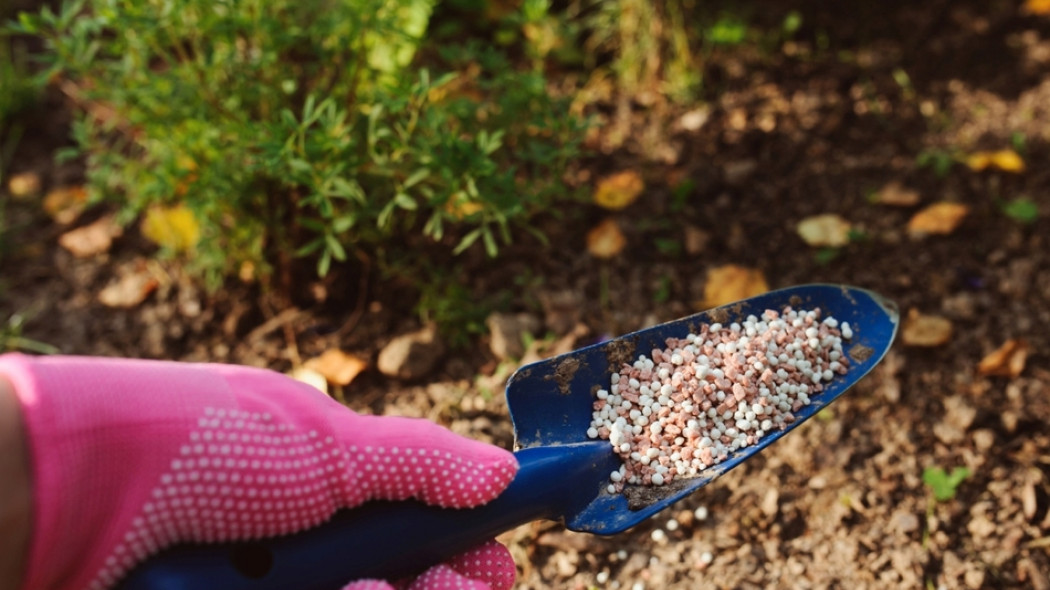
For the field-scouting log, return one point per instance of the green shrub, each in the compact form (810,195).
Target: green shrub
(18,92)
(295,129)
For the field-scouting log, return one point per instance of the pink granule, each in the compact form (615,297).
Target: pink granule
(705,396)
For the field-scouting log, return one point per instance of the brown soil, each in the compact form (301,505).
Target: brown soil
(795,131)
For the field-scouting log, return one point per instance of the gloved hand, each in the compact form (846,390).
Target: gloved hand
(489,566)
(129,457)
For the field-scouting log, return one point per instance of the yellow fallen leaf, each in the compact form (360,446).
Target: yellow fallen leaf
(1008,161)
(65,204)
(91,239)
(338,367)
(824,230)
(174,228)
(1007,361)
(938,218)
(618,190)
(896,194)
(978,161)
(1005,160)
(460,205)
(1037,6)
(606,239)
(925,330)
(23,185)
(729,283)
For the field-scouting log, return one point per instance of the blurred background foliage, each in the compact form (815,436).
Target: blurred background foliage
(272,140)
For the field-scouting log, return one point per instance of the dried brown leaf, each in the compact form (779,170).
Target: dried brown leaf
(23,185)
(93,239)
(696,240)
(338,367)
(1037,6)
(896,194)
(938,218)
(65,204)
(1006,361)
(130,290)
(619,190)
(729,283)
(606,240)
(925,330)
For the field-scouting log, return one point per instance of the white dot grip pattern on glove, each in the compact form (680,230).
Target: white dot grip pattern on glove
(129,457)
(486,567)
(242,475)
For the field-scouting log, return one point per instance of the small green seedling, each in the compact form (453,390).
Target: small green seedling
(940,161)
(1019,142)
(1021,209)
(944,485)
(826,255)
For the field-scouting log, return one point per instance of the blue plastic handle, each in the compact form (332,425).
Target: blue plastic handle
(386,539)
(562,473)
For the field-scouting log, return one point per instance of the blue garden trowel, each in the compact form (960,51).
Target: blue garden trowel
(563,475)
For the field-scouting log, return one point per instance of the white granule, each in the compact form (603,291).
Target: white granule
(690,405)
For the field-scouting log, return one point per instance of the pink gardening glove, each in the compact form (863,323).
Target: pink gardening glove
(129,457)
(489,566)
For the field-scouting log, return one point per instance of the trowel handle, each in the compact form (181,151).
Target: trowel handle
(385,540)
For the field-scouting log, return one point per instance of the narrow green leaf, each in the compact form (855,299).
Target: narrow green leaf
(383,220)
(434,226)
(416,177)
(308,110)
(406,202)
(335,247)
(299,165)
(310,247)
(490,242)
(467,241)
(342,224)
(312,224)
(324,263)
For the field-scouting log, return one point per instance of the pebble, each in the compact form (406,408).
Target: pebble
(411,356)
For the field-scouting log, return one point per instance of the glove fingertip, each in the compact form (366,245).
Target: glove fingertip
(443,577)
(490,563)
(474,483)
(411,457)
